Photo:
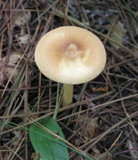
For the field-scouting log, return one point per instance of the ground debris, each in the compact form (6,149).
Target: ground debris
(133,149)
(89,128)
(14,58)
(118,33)
(103,109)
(21,19)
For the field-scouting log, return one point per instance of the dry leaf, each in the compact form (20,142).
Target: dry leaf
(13,60)
(35,156)
(133,151)
(89,128)
(117,34)
(24,39)
(17,134)
(21,18)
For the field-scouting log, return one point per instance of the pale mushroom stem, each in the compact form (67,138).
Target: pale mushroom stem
(67,94)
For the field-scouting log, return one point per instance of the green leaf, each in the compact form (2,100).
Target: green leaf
(49,146)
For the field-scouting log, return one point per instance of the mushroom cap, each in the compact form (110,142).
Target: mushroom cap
(70,55)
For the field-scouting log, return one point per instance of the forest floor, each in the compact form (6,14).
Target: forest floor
(103,118)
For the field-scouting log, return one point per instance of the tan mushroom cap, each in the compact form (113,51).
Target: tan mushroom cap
(70,55)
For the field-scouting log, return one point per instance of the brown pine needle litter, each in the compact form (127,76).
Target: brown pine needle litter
(103,118)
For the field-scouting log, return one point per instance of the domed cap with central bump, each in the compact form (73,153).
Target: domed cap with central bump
(70,55)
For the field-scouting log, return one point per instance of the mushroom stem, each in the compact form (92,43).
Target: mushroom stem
(67,94)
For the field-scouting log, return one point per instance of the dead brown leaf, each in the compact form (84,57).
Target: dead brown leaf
(35,156)
(90,126)
(13,60)
(117,34)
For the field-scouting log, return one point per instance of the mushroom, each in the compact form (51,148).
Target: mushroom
(70,55)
